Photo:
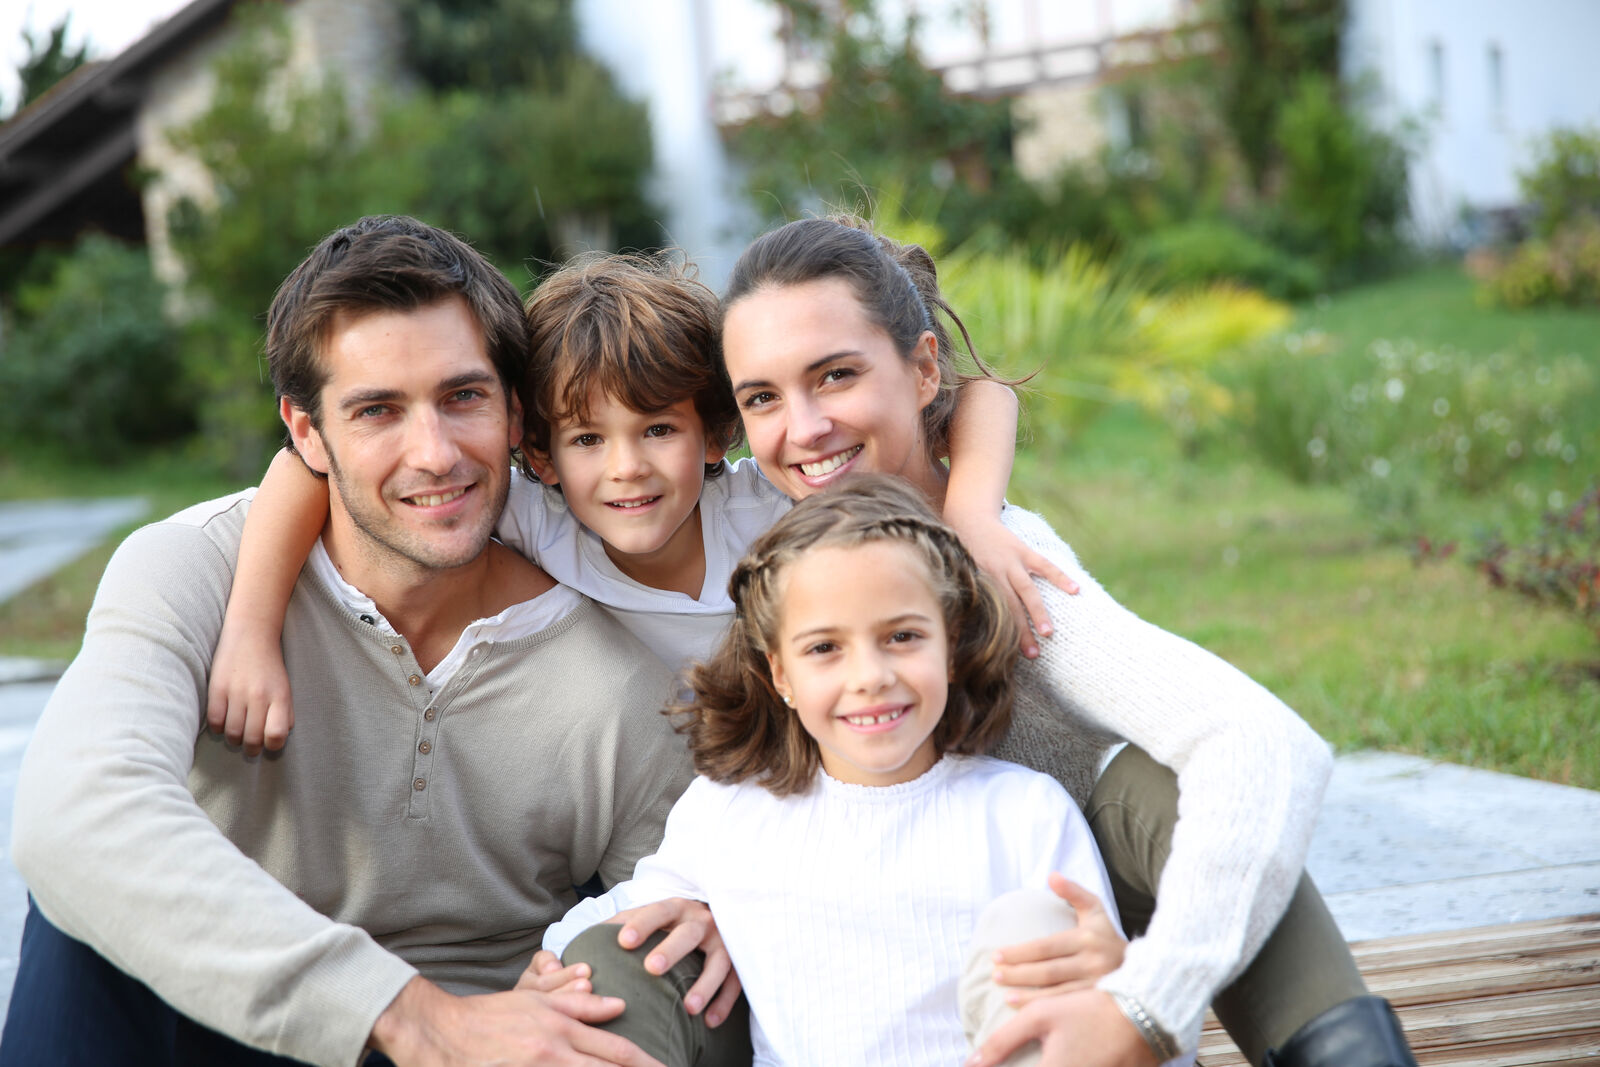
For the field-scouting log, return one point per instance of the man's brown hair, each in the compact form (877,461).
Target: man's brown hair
(385,263)
(738,726)
(639,329)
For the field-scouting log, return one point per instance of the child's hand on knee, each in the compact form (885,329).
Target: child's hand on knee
(546,975)
(1066,961)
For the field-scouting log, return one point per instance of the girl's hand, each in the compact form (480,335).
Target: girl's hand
(1065,962)
(1085,1028)
(1003,556)
(248,698)
(689,926)
(546,975)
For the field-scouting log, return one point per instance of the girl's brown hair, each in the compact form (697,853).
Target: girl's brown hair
(640,329)
(738,726)
(897,285)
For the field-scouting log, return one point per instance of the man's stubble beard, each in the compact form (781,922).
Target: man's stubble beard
(385,541)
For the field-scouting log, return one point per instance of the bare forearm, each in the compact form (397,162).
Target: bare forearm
(983,446)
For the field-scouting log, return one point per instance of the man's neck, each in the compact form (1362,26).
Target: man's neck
(431,607)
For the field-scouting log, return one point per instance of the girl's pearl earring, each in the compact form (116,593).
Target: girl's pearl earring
(788,701)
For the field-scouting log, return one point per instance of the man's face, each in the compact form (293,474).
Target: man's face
(415,440)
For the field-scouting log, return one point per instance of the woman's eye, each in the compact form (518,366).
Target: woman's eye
(756,400)
(837,374)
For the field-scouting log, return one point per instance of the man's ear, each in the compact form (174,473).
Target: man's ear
(306,437)
(925,360)
(514,418)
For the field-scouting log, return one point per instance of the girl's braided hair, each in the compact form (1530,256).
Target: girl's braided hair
(738,726)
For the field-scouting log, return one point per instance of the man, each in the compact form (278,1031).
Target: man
(476,739)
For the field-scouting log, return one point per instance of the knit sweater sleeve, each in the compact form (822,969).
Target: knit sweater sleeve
(118,854)
(1250,779)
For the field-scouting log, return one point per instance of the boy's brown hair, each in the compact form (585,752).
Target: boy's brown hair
(738,726)
(638,328)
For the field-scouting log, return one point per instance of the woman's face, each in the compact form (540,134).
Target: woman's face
(823,391)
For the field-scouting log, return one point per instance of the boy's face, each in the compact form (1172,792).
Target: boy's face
(634,478)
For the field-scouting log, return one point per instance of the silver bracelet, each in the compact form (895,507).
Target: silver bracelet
(1161,1043)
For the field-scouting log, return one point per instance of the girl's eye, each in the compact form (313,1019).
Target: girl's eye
(900,637)
(820,648)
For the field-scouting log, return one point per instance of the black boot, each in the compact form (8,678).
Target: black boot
(1361,1032)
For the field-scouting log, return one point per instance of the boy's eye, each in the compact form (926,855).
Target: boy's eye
(585,440)
(660,429)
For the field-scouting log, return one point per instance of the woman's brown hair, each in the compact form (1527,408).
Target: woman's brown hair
(738,726)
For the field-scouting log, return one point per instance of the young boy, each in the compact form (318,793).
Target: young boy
(627,423)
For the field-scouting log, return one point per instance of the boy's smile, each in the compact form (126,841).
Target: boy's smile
(634,479)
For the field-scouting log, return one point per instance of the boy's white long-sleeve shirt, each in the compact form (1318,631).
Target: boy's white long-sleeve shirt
(847,909)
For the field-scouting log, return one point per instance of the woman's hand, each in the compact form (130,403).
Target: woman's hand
(1065,962)
(1003,556)
(248,699)
(1084,1028)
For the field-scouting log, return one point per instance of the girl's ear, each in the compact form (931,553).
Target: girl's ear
(541,464)
(780,680)
(925,361)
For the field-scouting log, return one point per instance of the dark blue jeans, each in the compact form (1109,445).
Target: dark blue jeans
(70,1006)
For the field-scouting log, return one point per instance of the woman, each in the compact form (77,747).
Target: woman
(836,355)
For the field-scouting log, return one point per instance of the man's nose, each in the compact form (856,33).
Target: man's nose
(431,445)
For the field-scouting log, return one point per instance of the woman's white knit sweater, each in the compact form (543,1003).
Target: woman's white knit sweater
(1250,779)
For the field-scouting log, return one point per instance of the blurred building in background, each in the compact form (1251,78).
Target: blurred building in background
(1478,79)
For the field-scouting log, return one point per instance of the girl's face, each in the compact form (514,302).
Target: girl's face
(823,391)
(863,655)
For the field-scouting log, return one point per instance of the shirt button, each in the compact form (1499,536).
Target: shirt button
(397,649)
(369,620)
(420,784)
(431,714)
(425,748)
(415,679)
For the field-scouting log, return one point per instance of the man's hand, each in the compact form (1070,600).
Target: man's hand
(1083,1028)
(689,926)
(1063,962)
(427,1027)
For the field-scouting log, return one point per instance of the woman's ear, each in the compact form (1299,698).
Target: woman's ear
(925,361)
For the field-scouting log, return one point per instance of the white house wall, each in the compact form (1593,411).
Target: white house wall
(1434,62)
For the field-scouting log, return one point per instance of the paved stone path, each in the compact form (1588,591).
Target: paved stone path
(37,536)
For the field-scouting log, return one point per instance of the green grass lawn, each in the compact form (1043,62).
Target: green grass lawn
(1295,584)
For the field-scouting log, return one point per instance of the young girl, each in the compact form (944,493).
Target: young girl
(844,814)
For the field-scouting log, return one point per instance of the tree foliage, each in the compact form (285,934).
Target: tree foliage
(49,60)
(881,120)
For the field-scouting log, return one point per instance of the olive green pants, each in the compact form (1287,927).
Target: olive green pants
(1304,968)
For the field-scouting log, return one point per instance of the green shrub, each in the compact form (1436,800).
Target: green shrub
(91,365)
(1564,181)
(1563,268)
(1344,182)
(1399,420)
(1208,250)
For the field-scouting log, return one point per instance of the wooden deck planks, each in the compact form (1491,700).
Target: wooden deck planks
(1518,995)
